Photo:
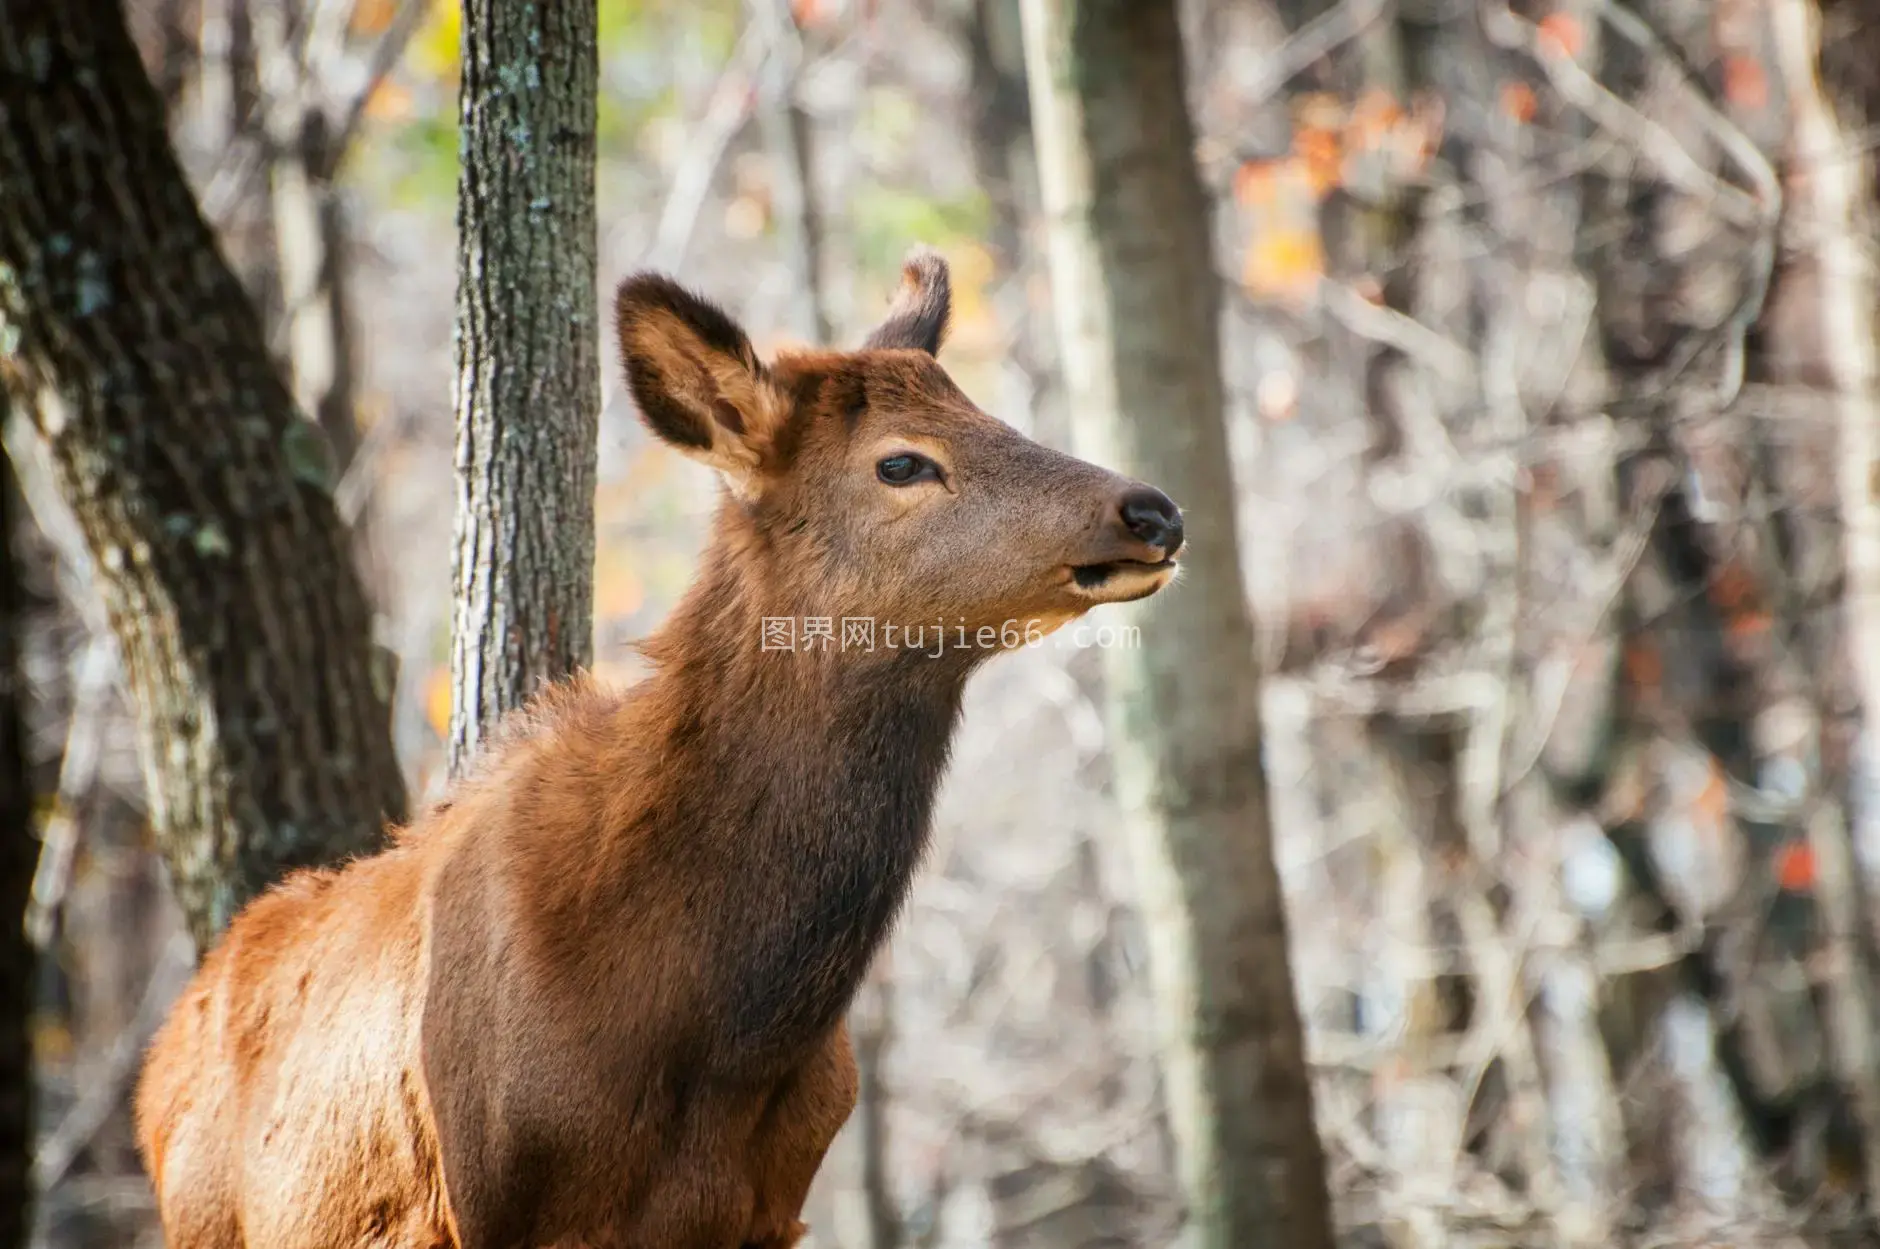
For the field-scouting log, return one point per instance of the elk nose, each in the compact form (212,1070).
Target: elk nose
(1153,519)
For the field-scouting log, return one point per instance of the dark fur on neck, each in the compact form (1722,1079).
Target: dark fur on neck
(814,776)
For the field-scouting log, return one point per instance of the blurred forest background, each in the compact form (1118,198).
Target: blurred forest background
(1548,330)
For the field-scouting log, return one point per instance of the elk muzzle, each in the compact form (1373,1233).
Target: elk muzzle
(1142,533)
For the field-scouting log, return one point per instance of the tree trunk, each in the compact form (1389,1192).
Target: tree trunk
(18,858)
(1833,195)
(1001,121)
(528,386)
(203,494)
(1138,304)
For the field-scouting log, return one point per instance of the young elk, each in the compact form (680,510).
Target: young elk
(596,997)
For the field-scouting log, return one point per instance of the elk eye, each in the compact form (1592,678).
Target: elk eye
(906,469)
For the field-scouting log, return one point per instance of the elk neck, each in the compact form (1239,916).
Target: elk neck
(811,775)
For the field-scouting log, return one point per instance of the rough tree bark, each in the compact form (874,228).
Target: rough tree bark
(18,857)
(528,385)
(203,494)
(1138,304)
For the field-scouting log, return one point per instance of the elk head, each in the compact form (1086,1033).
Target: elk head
(868,485)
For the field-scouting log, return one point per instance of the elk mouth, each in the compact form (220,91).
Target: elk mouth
(1114,573)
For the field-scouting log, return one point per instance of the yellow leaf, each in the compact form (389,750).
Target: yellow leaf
(973,270)
(436,47)
(1284,263)
(51,1039)
(437,700)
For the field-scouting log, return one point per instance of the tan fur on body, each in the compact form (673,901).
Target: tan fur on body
(595,998)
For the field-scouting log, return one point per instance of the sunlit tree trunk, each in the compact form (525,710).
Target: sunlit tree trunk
(203,495)
(1137,301)
(528,382)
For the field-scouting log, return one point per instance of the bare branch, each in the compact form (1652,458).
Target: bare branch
(94,683)
(1620,118)
(104,1088)
(725,114)
(1314,41)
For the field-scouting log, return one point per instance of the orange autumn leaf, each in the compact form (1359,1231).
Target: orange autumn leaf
(1284,263)
(1712,802)
(1644,666)
(1375,121)
(1732,587)
(1518,102)
(1317,110)
(389,101)
(1374,116)
(1745,83)
(1256,183)
(1747,626)
(1428,113)
(371,17)
(1795,867)
(1560,34)
(1321,155)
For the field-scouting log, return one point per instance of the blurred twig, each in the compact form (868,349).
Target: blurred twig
(104,1088)
(244,156)
(789,135)
(1621,118)
(725,114)
(361,474)
(1759,268)
(1314,41)
(1505,1030)
(383,58)
(1381,324)
(92,684)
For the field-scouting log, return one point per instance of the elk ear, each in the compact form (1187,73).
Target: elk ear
(918,318)
(694,374)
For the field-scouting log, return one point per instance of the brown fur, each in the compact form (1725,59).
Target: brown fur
(596,998)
